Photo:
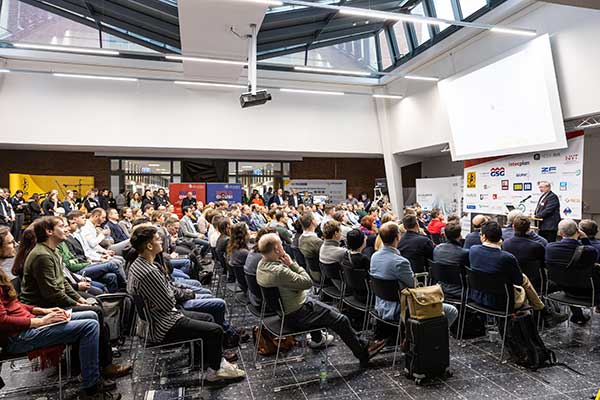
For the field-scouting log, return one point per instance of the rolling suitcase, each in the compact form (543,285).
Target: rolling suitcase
(427,353)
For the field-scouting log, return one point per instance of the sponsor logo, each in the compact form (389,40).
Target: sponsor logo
(536,156)
(494,196)
(497,171)
(563,186)
(517,187)
(471,195)
(518,163)
(486,186)
(573,200)
(471,206)
(521,207)
(471,180)
(548,170)
(567,211)
(522,174)
(483,196)
(527,186)
(577,172)
(572,157)
(505,184)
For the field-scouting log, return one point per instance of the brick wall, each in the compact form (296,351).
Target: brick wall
(54,163)
(359,173)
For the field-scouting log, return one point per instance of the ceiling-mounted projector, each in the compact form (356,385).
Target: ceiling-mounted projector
(250,100)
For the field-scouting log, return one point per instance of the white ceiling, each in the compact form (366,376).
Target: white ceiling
(205,27)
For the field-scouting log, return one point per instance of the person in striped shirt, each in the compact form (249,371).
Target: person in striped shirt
(167,324)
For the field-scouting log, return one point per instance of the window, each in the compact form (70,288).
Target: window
(469,7)
(401,40)
(444,10)
(386,57)
(258,175)
(138,175)
(422,33)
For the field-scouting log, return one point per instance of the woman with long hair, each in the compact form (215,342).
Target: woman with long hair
(136,201)
(50,205)
(367,225)
(26,244)
(237,252)
(69,202)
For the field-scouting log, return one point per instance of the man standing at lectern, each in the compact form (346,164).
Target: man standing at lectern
(548,210)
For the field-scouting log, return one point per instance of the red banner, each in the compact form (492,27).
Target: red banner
(178,191)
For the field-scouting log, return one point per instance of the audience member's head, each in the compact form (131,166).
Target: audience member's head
(308,221)
(339,216)
(389,234)
(479,220)
(567,228)
(49,229)
(172,226)
(510,218)
(148,209)
(589,227)
(26,244)
(491,232)
(453,218)
(410,211)
(158,217)
(223,226)
(280,216)
(126,213)
(356,240)
(435,213)
(410,223)
(7,243)
(270,246)
(112,215)
(388,217)
(146,241)
(368,222)
(521,225)
(239,238)
(97,216)
(452,231)
(332,230)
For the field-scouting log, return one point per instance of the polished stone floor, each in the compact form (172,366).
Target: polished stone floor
(477,374)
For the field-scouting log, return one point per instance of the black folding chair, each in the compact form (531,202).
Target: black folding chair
(536,273)
(451,275)
(501,288)
(576,279)
(299,257)
(314,271)
(388,290)
(332,273)
(358,294)
(256,309)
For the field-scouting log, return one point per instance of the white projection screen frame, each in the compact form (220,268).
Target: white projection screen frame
(507,105)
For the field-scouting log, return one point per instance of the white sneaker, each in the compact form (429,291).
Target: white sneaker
(326,340)
(227,371)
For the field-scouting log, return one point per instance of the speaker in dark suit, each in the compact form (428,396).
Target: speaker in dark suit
(548,209)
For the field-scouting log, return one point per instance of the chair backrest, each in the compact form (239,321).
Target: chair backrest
(534,270)
(576,278)
(497,285)
(272,298)
(417,263)
(313,264)
(385,289)
(140,307)
(299,257)
(449,274)
(253,285)
(16,282)
(331,271)
(357,281)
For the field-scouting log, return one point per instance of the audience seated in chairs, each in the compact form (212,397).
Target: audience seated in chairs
(451,253)
(436,225)
(413,246)
(237,253)
(278,270)
(167,324)
(508,232)
(20,334)
(331,252)
(251,265)
(357,241)
(561,254)
(388,264)
(474,238)
(43,284)
(309,243)
(489,257)
(590,228)
(117,233)
(523,246)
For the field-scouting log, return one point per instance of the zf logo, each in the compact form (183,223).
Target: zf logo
(497,171)
(548,170)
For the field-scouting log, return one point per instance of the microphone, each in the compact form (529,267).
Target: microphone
(525,199)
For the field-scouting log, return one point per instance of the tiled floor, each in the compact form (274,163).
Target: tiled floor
(477,374)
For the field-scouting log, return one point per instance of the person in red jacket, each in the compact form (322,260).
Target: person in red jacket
(24,328)
(436,225)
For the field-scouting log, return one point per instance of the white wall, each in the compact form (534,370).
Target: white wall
(46,110)
(420,120)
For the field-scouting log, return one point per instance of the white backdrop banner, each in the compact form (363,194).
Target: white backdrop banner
(443,193)
(334,189)
(492,184)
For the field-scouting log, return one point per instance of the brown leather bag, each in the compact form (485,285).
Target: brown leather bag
(424,302)
(268,342)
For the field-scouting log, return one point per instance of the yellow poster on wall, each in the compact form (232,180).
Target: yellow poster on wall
(41,184)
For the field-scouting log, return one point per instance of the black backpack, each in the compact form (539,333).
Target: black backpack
(525,344)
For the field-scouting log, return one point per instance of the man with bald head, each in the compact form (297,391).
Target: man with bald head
(277,269)
(561,253)
(473,237)
(548,210)
(509,231)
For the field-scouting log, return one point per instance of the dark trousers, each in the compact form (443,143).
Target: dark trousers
(193,326)
(17,226)
(550,236)
(105,349)
(314,314)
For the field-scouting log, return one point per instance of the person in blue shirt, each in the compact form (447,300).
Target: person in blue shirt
(489,257)
(387,263)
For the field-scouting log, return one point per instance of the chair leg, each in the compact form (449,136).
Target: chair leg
(397,341)
(461,328)
(503,338)
(277,354)
(60,391)
(257,342)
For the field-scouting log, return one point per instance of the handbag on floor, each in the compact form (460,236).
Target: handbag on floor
(268,343)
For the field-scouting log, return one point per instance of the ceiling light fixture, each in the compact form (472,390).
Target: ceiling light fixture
(521,32)
(388,96)
(274,3)
(67,49)
(304,91)
(332,71)
(361,12)
(204,60)
(4,71)
(98,77)
(421,78)
(211,84)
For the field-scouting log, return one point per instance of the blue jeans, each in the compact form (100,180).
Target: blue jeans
(179,274)
(209,305)
(182,264)
(82,328)
(108,273)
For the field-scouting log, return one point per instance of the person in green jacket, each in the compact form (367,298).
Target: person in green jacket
(75,266)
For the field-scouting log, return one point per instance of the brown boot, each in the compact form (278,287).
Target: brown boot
(114,371)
